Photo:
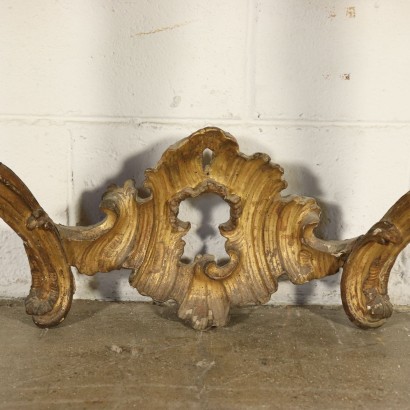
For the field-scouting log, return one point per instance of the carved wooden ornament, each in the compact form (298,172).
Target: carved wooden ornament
(267,236)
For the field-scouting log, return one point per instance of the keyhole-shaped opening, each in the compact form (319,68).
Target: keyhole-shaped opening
(207,157)
(205,213)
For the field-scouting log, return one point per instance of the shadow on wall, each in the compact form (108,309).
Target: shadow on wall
(302,181)
(133,168)
(108,286)
(205,214)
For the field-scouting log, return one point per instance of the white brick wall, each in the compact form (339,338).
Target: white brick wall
(93,91)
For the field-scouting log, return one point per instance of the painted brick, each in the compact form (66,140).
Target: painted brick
(332,60)
(93,92)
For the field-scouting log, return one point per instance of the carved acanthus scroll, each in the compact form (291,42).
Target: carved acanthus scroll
(267,236)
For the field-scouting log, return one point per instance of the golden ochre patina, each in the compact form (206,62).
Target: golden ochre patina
(267,236)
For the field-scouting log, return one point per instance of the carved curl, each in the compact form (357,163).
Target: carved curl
(366,274)
(52,283)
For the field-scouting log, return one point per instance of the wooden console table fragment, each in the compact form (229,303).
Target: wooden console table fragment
(268,236)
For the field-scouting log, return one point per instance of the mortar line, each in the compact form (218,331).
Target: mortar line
(250,64)
(196,121)
(70,189)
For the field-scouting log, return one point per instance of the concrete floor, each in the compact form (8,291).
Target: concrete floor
(139,355)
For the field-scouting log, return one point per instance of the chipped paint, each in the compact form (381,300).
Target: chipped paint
(351,12)
(161,29)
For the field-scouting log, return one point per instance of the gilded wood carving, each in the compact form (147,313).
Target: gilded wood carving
(267,236)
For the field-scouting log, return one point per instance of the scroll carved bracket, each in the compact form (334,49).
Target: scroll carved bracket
(267,236)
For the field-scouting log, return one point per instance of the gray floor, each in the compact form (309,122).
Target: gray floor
(138,355)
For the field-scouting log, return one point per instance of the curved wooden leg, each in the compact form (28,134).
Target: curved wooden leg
(367,270)
(52,285)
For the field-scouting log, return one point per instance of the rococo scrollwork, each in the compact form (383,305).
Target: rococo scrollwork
(267,236)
